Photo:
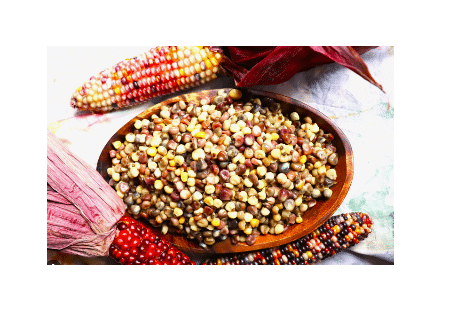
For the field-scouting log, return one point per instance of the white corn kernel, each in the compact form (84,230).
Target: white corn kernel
(331,173)
(138,124)
(232,214)
(130,137)
(197,196)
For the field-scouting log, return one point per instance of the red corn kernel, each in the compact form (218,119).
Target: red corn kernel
(214,169)
(216,125)
(145,246)
(226,194)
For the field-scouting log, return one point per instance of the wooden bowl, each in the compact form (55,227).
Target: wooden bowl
(312,218)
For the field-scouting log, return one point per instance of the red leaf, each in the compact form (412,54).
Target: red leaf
(348,57)
(249,56)
(266,65)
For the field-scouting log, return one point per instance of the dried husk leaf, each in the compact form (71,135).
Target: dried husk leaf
(266,65)
(82,208)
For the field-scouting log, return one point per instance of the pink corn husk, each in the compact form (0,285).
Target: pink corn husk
(82,208)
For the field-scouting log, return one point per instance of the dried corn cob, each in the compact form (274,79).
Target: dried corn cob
(337,233)
(159,71)
(136,243)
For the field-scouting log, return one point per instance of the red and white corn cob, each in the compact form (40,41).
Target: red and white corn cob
(157,72)
(137,243)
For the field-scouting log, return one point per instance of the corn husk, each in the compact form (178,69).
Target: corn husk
(82,208)
(263,65)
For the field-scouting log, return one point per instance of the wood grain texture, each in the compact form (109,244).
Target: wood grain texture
(312,218)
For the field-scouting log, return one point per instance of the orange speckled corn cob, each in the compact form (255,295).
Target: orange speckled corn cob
(159,71)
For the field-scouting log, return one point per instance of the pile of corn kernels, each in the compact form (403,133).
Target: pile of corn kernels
(223,168)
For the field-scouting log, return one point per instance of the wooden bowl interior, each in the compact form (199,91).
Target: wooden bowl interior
(312,218)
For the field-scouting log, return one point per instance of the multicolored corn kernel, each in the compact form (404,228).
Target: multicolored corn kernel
(186,155)
(157,72)
(336,234)
(136,243)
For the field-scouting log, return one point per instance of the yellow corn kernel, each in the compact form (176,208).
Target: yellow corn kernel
(116,144)
(303,159)
(191,128)
(184,176)
(209,201)
(195,131)
(336,229)
(214,61)
(151,151)
(266,161)
(158,184)
(248,230)
(133,172)
(215,222)
(254,222)
(298,219)
(116,177)
(309,254)
(199,134)
(118,90)
(120,194)
(182,220)
(179,160)
(275,136)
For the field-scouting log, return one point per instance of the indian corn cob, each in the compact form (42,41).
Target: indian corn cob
(137,243)
(337,233)
(159,71)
